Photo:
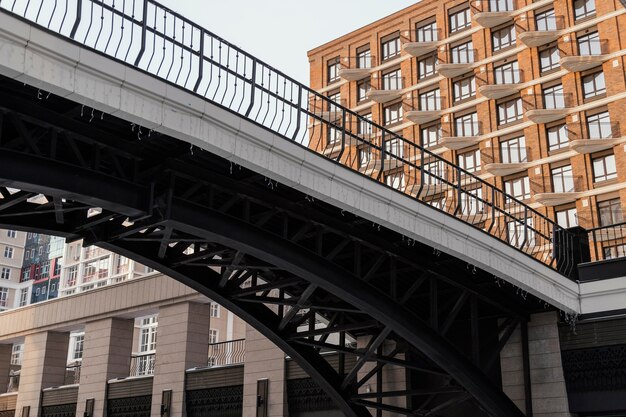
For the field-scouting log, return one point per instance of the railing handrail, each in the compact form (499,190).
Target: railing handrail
(212,54)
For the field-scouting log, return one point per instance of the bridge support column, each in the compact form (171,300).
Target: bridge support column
(547,385)
(5,366)
(182,343)
(43,366)
(392,378)
(263,361)
(107,350)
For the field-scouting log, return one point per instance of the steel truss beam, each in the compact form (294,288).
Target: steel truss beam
(299,272)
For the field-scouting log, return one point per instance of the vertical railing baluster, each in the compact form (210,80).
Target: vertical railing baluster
(253,87)
(382,156)
(144,33)
(201,63)
(79,14)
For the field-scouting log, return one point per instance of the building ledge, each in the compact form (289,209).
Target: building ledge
(426,190)
(419,116)
(329,116)
(585,146)
(535,38)
(582,63)
(453,70)
(333,148)
(556,199)
(496,91)
(492,19)
(419,48)
(354,74)
(455,143)
(546,115)
(383,96)
(502,169)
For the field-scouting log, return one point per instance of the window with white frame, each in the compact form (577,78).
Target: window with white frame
(464,88)
(395,180)
(77,346)
(567,218)
(501,5)
(510,111)
(518,188)
(431,135)
(460,20)
(545,21)
(610,212)
(584,8)
(17,353)
(23,297)
(364,125)
(521,233)
(553,97)
(507,73)
(469,161)
(4,297)
(604,168)
(463,53)
(333,70)
(11,234)
(5,273)
(513,151)
(467,125)
(390,47)
(589,44)
(392,80)
(430,100)
(503,38)
(364,58)
(214,336)
(8,252)
(72,275)
(562,179)
(363,87)
(365,156)
(549,59)
(393,113)
(427,66)
(427,32)
(599,126)
(215,310)
(594,85)
(394,148)
(434,173)
(148,334)
(472,202)
(557,137)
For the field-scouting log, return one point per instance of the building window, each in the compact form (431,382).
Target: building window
(430,100)
(549,59)
(8,252)
(557,137)
(501,5)
(518,188)
(23,297)
(395,180)
(5,273)
(604,168)
(464,88)
(584,8)
(363,87)
(333,70)
(470,161)
(599,126)
(513,151)
(16,354)
(594,85)
(467,125)
(589,44)
(472,202)
(521,233)
(393,113)
(545,21)
(390,48)
(394,148)
(11,234)
(508,73)
(364,58)
(57,267)
(427,33)
(364,126)
(503,38)
(462,54)
(148,334)
(4,296)
(214,336)
(333,135)
(215,310)
(365,156)
(431,135)
(427,66)
(78,343)
(562,179)
(612,252)
(392,80)
(72,275)
(434,173)
(460,20)
(510,111)
(567,218)
(25,274)
(553,97)
(610,212)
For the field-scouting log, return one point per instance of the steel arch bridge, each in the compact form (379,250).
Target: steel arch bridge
(271,254)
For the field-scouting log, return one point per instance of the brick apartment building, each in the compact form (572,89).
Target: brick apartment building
(529,96)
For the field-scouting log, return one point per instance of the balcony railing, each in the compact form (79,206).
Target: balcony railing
(72,373)
(547,29)
(490,13)
(354,68)
(608,242)
(227,353)
(219,72)
(14,381)
(422,41)
(142,364)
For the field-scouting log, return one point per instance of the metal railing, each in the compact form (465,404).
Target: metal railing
(232,352)
(608,242)
(423,34)
(72,373)
(358,62)
(494,5)
(153,39)
(14,381)
(142,364)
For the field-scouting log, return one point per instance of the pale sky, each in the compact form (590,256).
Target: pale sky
(280,32)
